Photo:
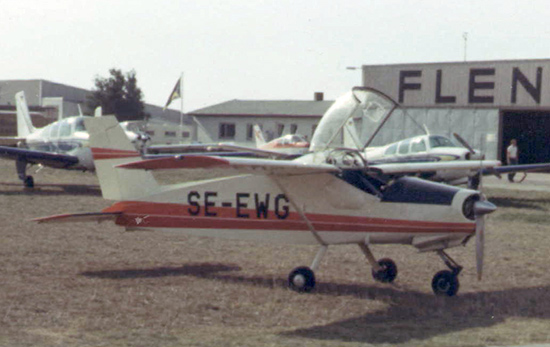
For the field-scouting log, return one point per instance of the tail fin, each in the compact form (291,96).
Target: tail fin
(24,122)
(259,136)
(111,147)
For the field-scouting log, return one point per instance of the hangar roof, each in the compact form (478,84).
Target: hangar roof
(273,108)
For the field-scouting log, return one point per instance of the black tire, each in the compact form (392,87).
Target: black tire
(388,273)
(445,283)
(301,279)
(474,181)
(29,182)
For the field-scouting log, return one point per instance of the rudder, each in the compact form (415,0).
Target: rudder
(111,147)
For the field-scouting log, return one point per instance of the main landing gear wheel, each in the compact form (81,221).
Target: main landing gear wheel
(388,271)
(445,283)
(301,279)
(29,182)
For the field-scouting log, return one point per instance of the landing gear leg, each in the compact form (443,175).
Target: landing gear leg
(302,279)
(446,282)
(383,270)
(21,166)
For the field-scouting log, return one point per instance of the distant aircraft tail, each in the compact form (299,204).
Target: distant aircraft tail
(110,147)
(24,122)
(259,136)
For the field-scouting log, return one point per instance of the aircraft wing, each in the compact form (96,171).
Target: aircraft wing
(516,168)
(10,141)
(245,165)
(79,217)
(405,168)
(257,151)
(56,160)
(181,148)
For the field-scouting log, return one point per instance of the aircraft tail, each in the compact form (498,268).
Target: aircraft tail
(110,147)
(24,122)
(259,136)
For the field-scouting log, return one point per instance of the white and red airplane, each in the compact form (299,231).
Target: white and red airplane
(61,145)
(326,197)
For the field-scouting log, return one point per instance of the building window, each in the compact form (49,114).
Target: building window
(249,132)
(227,131)
(293,128)
(280,129)
(150,132)
(170,133)
(185,134)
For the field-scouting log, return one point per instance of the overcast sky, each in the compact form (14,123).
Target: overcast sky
(246,49)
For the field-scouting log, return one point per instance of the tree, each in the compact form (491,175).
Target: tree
(118,95)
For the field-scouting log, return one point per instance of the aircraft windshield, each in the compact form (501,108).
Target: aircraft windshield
(441,141)
(353,120)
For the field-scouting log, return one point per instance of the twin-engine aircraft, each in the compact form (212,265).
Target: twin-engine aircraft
(327,197)
(61,145)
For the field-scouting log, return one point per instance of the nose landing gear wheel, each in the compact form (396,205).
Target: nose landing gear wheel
(388,271)
(445,283)
(301,279)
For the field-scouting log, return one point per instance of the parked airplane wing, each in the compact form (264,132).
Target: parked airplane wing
(435,166)
(263,166)
(50,159)
(516,168)
(257,151)
(80,217)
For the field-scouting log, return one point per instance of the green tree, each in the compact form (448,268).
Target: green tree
(118,95)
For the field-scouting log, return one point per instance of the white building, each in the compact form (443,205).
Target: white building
(487,102)
(232,121)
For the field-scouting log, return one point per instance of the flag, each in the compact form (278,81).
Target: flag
(176,93)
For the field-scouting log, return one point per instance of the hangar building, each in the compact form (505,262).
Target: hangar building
(487,102)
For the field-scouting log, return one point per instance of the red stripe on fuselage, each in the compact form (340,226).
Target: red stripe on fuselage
(169,215)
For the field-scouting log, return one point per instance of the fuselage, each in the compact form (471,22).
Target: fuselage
(289,144)
(67,136)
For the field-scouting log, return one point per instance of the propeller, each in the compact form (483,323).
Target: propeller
(481,208)
(464,143)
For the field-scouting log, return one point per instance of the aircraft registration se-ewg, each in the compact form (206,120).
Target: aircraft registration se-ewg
(329,196)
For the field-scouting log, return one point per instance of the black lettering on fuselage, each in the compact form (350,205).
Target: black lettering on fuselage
(208,203)
(242,204)
(281,211)
(262,207)
(192,199)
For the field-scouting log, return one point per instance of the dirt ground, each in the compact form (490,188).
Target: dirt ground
(93,284)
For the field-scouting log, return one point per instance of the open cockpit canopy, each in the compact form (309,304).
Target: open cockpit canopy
(353,120)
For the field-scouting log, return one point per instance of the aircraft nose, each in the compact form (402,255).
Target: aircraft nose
(484,207)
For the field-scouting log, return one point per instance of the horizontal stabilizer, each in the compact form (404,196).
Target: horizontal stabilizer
(79,217)
(245,165)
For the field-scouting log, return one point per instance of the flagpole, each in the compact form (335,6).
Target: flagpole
(181,101)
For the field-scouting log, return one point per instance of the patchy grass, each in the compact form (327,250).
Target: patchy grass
(94,285)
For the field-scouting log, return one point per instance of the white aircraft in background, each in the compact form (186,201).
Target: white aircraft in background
(285,147)
(327,197)
(61,145)
(438,148)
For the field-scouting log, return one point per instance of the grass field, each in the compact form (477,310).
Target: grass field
(95,285)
